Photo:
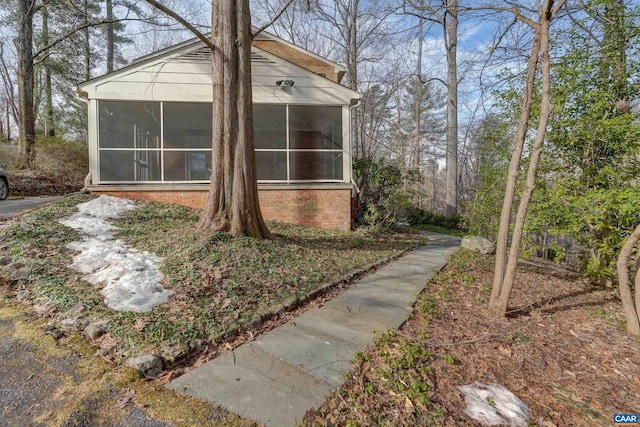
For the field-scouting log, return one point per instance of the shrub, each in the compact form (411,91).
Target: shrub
(421,216)
(57,158)
(8,153)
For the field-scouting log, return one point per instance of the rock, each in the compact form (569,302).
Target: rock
(54,332)
(95,330)
(478,244)
(173,353)
(76,323)
(74,311)
(493,405)
(148,364)
(5,260)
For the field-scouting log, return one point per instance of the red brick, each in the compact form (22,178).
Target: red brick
(326,208)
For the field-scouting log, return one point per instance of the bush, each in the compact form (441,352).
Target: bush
(64,160)
(421,216)
(8,153)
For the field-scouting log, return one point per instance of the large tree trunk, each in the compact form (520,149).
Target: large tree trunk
(451,40)
(48,101)
(233,192)
(499,304)
(217,213)
(631,309)
(26,117)
(111,38)
(246,216)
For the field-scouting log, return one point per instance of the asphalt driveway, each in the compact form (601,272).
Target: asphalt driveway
(12,208)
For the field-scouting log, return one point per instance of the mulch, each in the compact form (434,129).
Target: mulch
(30,183)
(562,349)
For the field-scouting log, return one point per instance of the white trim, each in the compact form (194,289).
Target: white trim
(269,36)
(345,150)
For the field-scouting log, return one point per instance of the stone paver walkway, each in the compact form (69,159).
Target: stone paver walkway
(278,377)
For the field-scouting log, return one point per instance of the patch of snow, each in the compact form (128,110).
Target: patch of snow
(106,207)
(131,277)
(493,404)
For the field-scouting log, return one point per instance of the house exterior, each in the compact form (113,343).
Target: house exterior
(150,131)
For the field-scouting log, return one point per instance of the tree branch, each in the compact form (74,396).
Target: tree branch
(80,28)
(184,22)
(274,19)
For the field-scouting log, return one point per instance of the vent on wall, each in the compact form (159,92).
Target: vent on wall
(203,55)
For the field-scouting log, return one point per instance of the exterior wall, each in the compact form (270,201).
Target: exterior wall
(299,58)
(322,207)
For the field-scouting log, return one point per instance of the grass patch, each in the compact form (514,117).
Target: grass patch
(90,388)
(441,229)
(221,283)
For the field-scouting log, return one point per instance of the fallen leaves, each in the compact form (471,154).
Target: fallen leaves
(557,340)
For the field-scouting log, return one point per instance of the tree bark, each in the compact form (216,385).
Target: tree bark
(246,216)
(417,102)
(217,212)
(6,112)
(233,193)
(512,176)
(615,46)
(499,305)
(26,116)
(48,102)
(87,41)
(111,38)
(451,44)
(631,310)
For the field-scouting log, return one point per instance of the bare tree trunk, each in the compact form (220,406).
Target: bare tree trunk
(499,305)
(87,41)
(512,176)
(49,129)
(217,213)
(233,193)
(6,112)
(111,38)
(451,44)
(615,46)
(631,310)
(352,71)
(26,116)
(417,102)
(246,217)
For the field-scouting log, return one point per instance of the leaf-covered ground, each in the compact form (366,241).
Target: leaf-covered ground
(221,284)
(563,350)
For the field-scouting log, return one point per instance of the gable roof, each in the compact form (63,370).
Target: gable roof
(183,73)
(264,35)
(191,59)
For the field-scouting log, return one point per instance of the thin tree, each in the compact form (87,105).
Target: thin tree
(450,23)
(26,114)
(49,127)
(506,265)
(631,308)
(111,38)
(446,14)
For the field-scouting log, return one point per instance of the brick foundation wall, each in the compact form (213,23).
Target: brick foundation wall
(323,207)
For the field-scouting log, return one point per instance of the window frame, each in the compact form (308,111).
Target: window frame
(161,149)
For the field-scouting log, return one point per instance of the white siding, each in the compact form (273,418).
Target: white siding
(180,78)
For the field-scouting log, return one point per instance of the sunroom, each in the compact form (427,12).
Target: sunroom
(150,131)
